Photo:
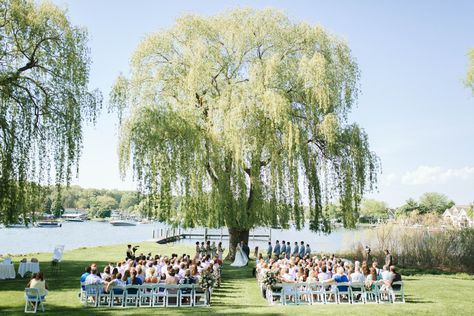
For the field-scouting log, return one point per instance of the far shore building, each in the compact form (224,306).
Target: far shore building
(460,215)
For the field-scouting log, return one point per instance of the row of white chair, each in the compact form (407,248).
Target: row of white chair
(149,295)
(344,292)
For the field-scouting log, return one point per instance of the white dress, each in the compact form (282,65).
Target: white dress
(241,258)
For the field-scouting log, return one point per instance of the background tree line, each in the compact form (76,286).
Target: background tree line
(371,210)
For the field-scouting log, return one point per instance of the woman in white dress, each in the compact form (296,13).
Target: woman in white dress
(241,258)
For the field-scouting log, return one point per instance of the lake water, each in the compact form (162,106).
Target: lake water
(86,234)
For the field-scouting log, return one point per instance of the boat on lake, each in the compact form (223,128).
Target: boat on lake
(123,222)
(48,224)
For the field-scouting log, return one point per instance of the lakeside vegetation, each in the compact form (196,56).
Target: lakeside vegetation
(427,292)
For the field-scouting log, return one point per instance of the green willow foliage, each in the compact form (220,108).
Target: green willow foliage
(470,71)
(244,115)
(44,99)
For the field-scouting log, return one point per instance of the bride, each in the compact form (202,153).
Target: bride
(241,258)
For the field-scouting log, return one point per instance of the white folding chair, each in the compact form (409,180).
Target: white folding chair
(103,298)
(200,297)
(357,291)
(159,295)
(172,295)
(91,292)
(385,294)
(146,295)
(117,295)
(274,294)
(186,295)
(372,294)
(288,293)
(33,300)
(303,293)
(131,295)
(397,289)
(343,291)
(317,293)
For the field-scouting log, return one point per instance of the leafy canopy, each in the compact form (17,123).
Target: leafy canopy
(470,71)
(44,100)
(244,115)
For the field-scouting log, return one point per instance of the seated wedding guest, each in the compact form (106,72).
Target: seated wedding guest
(33,276)
(150,276)
(171,277)
(365,269)
(140,273)
(94,279)
(125,275)
(375,265)
(84,276)
(372,279)
(395,277)
(285,276)
(188,278)
(134,280)
(117,281)
(39,283)
(312,276)
(385,274)
(300,275)
(357,276)
(324,275)
(341,277)
(106,272)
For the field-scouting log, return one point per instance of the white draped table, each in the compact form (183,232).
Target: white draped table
(24,267)
(7,271)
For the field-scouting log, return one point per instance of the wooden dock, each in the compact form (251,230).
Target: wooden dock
(173,235)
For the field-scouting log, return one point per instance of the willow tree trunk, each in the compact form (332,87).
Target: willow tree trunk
(236,235)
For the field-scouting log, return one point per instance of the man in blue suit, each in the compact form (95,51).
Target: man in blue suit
(283,247)
(276,250)
(308,250)
(288,250)
(295,249)
(302,249)
(269,250)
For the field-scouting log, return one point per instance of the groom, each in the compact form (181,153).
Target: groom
(246,250)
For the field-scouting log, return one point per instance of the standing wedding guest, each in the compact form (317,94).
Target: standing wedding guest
(269,250)
(388,258)
(220,250)
(288,250)
(198,250)
(295,249)
(302,249)
(307,250)
(283,247)
(276,250)
(213,249)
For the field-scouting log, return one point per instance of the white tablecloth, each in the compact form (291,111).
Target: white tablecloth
(7,271)
(28,266)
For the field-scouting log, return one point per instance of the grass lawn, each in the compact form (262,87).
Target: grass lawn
(426,294)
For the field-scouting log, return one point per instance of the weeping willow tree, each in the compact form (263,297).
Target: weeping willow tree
(244,117)
(470,71)
(44,99)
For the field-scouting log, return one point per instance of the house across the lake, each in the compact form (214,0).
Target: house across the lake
(460,215)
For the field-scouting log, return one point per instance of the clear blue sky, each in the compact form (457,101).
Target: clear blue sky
(413,58)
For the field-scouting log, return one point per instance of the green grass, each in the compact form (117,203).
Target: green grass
(427,294)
